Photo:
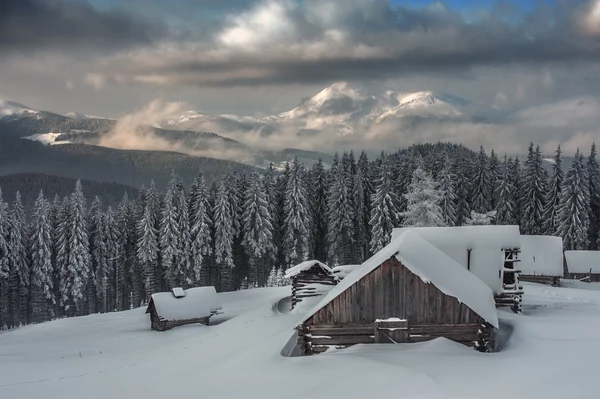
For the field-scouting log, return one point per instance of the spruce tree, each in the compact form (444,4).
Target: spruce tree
(148,243)
(224,235)
(257,229)
(384,211)
(423,198)
(593,173)
(183,271)
(481,200)
(296,216)
(169,234)
(505,207)
(18,263)
(534,193)
(516,178)
(4,263)
(573,215)
(447,188)
(494,176)
(42,282)
(340,226)
(200,225)
(318,199)
(97,252)
(109,275)
(553,196)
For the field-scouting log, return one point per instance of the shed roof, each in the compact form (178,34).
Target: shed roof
(344,270)
(583,261)
(541,256)
(432,266)
(197,302)
(468,237)
(294,270)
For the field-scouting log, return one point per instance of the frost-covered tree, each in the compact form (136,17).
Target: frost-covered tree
(99,252)
(482,188)
(573,215)
(109,276)
(296,216)
(340,226)
(200,224)
(593,173)
(42,282)
(148,241)
(423,199)
(516,179)
(169,233)
(447,189)
(183,272)
(4,263)
(481,219)
(534,193)
(362,206)
(224,234)
(318,199)
(553,195)
(75,272)
(18,263)
(384,212)
(505,206)
(463,184)
(129,279)
(257,229)
(494,175)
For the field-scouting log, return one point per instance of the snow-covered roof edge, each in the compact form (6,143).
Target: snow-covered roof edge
(431,265)
(583,261)
(197,302)
(294,270)
(505,236)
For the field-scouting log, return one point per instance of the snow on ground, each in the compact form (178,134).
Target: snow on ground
(46,138)
(553,352)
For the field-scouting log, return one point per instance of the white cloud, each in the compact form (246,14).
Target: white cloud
(96,80)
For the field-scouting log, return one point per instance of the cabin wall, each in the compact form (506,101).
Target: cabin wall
(392,290)
(550,280)
(306,283)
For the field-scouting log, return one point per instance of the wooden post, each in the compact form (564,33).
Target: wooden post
(392,331)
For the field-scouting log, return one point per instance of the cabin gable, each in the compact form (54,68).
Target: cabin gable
(393,291)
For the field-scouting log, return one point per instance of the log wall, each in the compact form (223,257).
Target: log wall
(306,283)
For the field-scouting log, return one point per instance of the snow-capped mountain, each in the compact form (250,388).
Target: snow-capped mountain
(342,107)
(80,116)
(13,109)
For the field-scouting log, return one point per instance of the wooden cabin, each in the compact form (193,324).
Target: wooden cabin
(489,252)
(180,307)
(309,279)
(410,291)
(583,265)
(541,259)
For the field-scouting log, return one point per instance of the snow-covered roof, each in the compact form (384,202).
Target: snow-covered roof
(583,261)
(294,270)
(468,237)
(344,270)
(178,292)
(541,256)
(432,266)
(197,302)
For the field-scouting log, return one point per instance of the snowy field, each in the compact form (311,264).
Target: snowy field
(553,352)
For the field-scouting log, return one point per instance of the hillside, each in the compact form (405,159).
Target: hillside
(551,353)
(30,184)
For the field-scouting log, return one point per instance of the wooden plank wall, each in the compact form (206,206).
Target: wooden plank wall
(303,284)
(392,290)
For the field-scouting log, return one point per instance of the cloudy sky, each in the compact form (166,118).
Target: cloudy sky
(254,57)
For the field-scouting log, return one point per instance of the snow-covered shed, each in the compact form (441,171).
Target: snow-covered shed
(343,270)
(180,307)
(541,259)
(310,278)
(410,291)
(489,252)
(584,264)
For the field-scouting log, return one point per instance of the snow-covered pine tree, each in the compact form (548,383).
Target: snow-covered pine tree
(126,252)
(4,264)
(279,219)
(340,224)
(447,188)
(169,234)
(224,235)
(18,263)
(553,196)
(481,219)
(95,225)
(183,271)
(272,279)
(54,217)
(296,216)
(505,206)
(384,210)
(200,226)
(463,184)
(494,175)
(362,206)
(42,281)
(240,258)
(148,245)
(573,215)
(75,272)
(516,178)
(534,193)
(593,173)
(257,229)
(481,200)
(423,198)
(113,247)
(318,201)
(62,233)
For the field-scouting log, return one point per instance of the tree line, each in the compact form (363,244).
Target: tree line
(71,256)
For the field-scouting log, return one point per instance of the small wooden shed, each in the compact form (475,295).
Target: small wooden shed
(410,291)
(541,259)
(489,252)
(309,279)
(180,307)
(583,265)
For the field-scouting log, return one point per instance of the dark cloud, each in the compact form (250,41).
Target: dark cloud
(282,42)
(37,25)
